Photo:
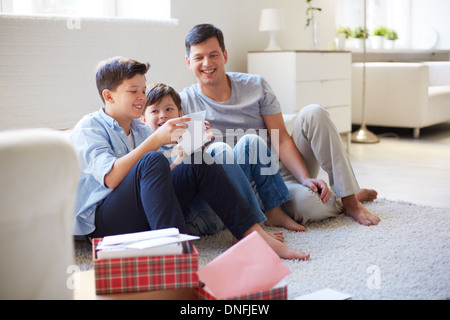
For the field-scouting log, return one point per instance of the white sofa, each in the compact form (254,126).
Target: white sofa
(402,94)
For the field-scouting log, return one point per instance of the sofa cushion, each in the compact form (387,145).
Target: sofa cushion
(438,104)
(439,73)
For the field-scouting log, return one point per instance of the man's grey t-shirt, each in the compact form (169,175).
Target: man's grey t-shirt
(251,98)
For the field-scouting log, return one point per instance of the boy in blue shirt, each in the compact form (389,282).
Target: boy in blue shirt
(127,186)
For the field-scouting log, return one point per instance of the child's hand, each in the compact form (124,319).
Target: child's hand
(209,134)
(179,158)
(172,130)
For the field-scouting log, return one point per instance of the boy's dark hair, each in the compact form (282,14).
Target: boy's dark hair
(112,72)
(156,92)
(202,32)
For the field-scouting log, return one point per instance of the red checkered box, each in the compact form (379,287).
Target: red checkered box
(138,274)
(279,292)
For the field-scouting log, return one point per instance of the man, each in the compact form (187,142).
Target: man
(243,101)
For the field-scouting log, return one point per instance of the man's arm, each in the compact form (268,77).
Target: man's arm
(291,157)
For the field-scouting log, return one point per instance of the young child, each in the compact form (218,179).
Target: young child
(164,103)
(127,186)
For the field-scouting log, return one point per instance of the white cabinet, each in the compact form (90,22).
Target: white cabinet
(299,78)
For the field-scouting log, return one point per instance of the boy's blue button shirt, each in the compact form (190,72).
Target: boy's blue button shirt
(99,141)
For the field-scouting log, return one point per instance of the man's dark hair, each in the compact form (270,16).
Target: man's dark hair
(112,72)
(202,32)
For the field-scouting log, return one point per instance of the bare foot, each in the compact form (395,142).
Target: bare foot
(366,195)
(283,251)
(278,218)
(277,235)
(354,208)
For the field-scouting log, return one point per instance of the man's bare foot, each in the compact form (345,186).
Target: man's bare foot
(276,217)
(354,208)
(366,195)
(283,251)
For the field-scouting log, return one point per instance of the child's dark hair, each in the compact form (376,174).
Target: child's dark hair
(112,72)
(156,92)
(202,32)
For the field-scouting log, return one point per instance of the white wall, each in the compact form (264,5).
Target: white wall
(431,14)
(239,20)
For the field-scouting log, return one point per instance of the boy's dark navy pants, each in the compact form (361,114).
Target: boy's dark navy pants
(153,197)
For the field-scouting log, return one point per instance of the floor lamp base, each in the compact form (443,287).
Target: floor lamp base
(363,135)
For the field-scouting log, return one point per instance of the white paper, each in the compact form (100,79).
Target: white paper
(170,249)
(162,241)
(138,236)
(325,294)
(195,135)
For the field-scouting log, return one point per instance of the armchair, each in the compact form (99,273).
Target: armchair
(402,94)
(38,184)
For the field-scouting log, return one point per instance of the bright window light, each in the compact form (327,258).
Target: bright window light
(150,9)
(389,13)
(153,9)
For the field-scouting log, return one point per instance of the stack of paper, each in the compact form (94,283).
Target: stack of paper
(147,243)
(249,266)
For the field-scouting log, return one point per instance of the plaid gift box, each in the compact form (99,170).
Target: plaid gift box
(276,293)
(120,275)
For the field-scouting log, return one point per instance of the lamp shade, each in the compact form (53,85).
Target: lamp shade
(272,20)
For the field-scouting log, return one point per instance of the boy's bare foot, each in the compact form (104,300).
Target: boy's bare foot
(276,217)
(283,251)
(354,208)
(366,195)
(277,235)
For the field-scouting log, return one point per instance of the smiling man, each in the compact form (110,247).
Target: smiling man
(207,62)
(238,102)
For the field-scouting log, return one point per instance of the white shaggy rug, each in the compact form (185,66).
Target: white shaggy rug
(405,257)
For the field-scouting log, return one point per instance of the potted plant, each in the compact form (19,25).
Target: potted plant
(360,34)
(342,34)
(390,37)
(312,25)
(378,37)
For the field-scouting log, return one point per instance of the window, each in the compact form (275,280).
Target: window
(392,14)
(151,9)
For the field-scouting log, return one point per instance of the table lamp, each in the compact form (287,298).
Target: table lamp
(272,20)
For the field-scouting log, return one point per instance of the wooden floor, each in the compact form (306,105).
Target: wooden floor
(400,167)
